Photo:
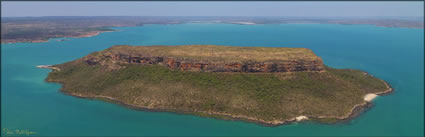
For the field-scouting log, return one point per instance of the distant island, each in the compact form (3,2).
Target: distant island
(270,86)
(40,29)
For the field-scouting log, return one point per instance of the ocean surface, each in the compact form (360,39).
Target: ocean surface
(395,55)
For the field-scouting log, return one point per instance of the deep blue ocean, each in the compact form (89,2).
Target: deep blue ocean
(395,55)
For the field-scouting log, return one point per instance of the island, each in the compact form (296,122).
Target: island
(270,86)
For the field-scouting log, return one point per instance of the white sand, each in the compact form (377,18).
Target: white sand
(370,97)
(48,67)
(300,118)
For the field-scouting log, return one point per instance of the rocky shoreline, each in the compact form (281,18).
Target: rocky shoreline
(355,111)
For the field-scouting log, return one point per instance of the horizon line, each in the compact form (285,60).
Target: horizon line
(197,16)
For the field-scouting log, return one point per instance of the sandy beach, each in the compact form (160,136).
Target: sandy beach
(48,67)
(370,97)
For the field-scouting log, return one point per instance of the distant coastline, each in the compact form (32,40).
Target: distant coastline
(95,33)
(83,35)
(40,29)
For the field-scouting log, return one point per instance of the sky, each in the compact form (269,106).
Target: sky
(231,8)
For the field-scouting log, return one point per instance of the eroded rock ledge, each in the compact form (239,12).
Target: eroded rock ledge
(253,60)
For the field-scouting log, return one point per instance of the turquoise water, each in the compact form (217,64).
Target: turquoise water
(393,54)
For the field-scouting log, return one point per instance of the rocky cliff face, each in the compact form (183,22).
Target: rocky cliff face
(207,66)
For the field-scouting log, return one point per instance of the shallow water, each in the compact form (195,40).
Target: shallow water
(395,55)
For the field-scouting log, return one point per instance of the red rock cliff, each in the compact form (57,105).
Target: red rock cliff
(206,65)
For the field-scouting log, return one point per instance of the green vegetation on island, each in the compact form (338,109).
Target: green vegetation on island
(266,97)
